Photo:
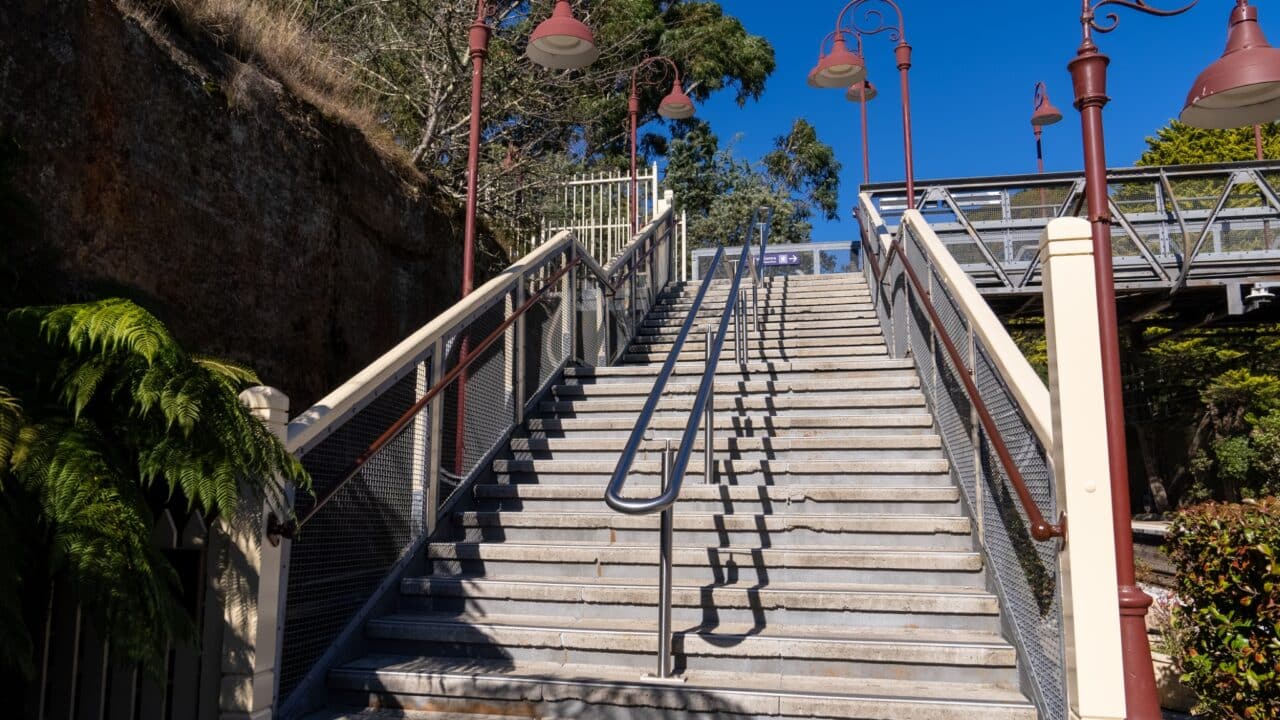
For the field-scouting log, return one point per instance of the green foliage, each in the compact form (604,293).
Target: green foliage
(99,406)
(412,61)
(1229,583)
(719,191)
(1181,144)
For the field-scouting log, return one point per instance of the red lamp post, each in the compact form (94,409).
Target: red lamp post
(675,106)
(841,68)
(1240,89)
(560,42)
(863,93)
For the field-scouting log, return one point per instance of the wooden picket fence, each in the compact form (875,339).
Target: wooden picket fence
(79,678)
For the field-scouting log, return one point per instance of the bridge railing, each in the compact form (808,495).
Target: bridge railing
(993,413)
(1171,225)
(395,448)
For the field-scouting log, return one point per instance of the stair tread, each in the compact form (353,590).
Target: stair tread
(697,368)
(797,588)
(815,551)
(389,668)
(635,627)
(793,493)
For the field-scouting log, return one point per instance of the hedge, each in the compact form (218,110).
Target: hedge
(1229,586)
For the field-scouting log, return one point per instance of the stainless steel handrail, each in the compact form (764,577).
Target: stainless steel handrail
(673,468)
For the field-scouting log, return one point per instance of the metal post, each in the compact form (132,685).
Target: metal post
(664,570)
(479,46)
(518,360)
(709,423)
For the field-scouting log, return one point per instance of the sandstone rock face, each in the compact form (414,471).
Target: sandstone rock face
(153,166)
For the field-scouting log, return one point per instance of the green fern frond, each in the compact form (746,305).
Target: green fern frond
(113,325)
(11,423)
(233,375)
(80,381)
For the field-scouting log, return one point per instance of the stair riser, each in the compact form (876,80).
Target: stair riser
(460,697)
(727,356)
(761,387)
(704,574)
(687,612)
(772,507)
(983,666)
(696,344)
(865,326)
(779,294)
(785,407)
(749,431)
(784,316)
(788,456)
(713,538)
(645,481)
(830,323)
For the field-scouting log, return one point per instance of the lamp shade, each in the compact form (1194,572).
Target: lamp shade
(839,68)
(1046,114)
(562,42)
(676,105)
(869,93)
(1243,86)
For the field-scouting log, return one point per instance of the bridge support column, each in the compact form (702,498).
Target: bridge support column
(1095,666)
(253,584)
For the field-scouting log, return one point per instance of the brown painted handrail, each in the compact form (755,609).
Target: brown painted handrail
(1041,529)
(277,528)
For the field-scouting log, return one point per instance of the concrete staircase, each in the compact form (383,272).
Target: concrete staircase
(829,570)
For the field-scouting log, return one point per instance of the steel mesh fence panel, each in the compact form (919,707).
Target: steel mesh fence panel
(1025,570)
(341,556)
(547,340)
(479,406)
(951,406)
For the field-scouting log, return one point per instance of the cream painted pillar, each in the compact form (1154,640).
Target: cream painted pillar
(253,587)
(1088,562)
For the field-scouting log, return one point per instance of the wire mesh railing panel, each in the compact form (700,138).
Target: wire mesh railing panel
(339,559)
(961,381)
(548,343)
(1025,571)
(479,406)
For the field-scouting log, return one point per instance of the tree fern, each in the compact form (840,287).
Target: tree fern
(101,406)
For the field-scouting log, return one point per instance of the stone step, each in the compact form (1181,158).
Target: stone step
(862,327)
(800,404)
(896,653)
(695,343)
(854,278)
(831,311)
(836,447)
(692,372)
(672,426)
(771,299)
(745,472)
(755,354)
(458,688)
(780,292)
(758,565)
(877,382)
(760,499)
(775,604)
(738,529)
(832,321)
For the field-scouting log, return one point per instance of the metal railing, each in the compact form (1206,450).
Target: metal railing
(703,412)
(816,258)
(394,449)
(596,208)
(992,412)
(1173,225)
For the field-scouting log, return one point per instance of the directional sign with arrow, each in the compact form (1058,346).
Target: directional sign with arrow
(780,259)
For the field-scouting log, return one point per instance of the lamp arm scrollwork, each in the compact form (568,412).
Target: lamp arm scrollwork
(1111,20)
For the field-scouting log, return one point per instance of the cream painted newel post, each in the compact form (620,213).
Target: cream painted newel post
(1088,562)
(253,589)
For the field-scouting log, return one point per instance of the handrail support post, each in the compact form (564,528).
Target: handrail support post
(709,424)
(665,550)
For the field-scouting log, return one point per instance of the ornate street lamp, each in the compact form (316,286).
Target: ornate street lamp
(1240,89)
(675,106)
(560,42)
(1043,115)
(842,68)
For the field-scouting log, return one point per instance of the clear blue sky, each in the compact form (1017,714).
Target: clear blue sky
(975,66)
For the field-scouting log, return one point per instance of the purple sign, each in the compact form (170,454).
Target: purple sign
(779,259)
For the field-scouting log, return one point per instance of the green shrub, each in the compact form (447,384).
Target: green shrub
(1229,584)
